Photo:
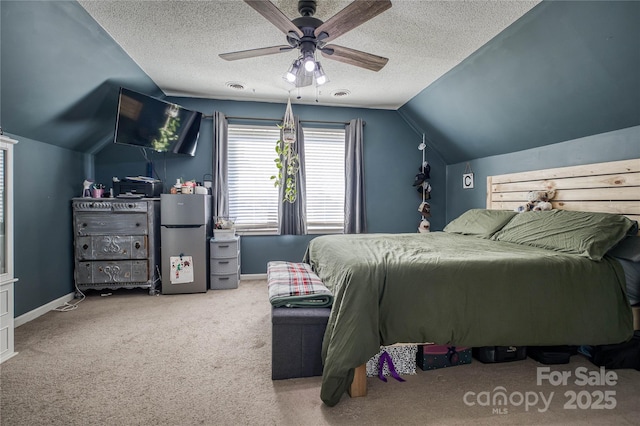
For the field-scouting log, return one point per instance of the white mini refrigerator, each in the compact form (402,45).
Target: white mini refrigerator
(185,230)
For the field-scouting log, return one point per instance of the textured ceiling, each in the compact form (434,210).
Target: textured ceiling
(177,44)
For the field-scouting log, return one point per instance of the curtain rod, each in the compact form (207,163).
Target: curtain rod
(279,119)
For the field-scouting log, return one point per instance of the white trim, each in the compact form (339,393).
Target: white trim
(250,232)
(8,357)
(253,276)
(7,139)
(6,144)
(31,315)
(7,279)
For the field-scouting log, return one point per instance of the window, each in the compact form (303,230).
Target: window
(324,162)
(253,199)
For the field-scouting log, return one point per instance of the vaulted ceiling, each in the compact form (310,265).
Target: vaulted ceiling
(566,70)
(479,78)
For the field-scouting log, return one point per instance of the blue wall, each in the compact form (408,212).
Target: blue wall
(391,161)
(46,177)
(611,146)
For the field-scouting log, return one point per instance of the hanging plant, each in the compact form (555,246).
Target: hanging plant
(288,162)
(287,159)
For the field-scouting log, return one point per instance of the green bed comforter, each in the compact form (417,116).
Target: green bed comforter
(455,289)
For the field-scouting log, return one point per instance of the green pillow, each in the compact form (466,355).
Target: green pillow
(583,233)
(628,249)
(481,223)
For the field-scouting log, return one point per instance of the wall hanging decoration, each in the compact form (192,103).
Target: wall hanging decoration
(287,159)
(467,177)
(424,188)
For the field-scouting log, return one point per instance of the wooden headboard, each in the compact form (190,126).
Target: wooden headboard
(612,187)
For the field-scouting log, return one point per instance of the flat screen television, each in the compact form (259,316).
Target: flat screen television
(152,123)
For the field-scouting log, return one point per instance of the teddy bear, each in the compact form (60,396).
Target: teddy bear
(538,201)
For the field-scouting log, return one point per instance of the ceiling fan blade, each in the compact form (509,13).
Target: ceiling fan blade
(354,57)
(355,14)
(274,15)
(252,53)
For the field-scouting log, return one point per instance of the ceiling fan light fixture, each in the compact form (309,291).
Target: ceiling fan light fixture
(321,77)
(310,64)
(292,73)
(309,35)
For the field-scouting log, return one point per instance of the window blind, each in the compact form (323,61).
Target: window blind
(324,162)
(253,199)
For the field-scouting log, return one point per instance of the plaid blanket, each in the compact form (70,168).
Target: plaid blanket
(296,285)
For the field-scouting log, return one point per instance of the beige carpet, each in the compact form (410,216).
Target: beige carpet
(205,359)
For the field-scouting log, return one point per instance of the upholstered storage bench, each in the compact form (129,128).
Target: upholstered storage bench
(296,341)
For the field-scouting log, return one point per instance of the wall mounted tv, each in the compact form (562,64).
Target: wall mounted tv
(151,123)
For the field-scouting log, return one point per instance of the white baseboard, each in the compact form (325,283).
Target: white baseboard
(253,276)
(31,315)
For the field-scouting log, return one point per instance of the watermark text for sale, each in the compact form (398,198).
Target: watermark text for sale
(595,395)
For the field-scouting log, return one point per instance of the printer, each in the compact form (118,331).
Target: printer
(139,185)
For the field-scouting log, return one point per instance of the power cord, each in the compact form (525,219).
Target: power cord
(156,280)
(71,306)
(149,161)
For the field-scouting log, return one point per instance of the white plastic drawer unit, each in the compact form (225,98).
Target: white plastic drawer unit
(224,263)
(222,282)
(224,249)
(224,266)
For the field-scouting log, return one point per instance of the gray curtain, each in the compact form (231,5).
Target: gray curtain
(220,190)
(355,217)
(292,217)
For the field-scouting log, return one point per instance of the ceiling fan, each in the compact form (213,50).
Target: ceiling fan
(309,34)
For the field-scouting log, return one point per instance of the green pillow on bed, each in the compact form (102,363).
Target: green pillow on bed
(583,233)
(481,223)
(628,248)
